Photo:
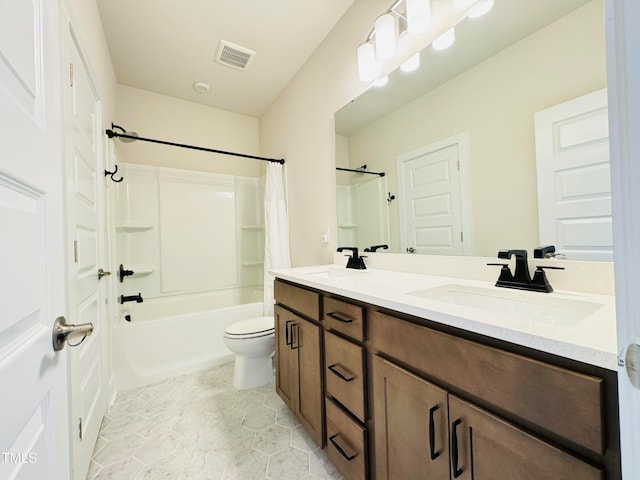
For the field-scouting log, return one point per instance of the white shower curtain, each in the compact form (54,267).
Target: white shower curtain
(276,230)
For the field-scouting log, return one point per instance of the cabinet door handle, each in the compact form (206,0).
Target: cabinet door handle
(344,450)
(287,336)
(454,448)
(432,433)
(340,372)
(339,317)
(295,342)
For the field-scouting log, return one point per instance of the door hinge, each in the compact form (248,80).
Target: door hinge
(75,251)
(461,236)
(80,428)
(71,74)
(458,165)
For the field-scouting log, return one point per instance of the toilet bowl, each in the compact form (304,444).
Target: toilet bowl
(253,343)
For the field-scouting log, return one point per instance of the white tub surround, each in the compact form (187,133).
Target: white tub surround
(589,337)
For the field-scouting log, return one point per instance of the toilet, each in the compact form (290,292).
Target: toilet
(253,343)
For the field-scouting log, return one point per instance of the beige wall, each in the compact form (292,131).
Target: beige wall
(299,125)
(495,103)
(170,119)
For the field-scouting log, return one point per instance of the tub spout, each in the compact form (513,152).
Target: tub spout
(131,298)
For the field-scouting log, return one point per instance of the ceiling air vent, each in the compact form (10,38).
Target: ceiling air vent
(233,55)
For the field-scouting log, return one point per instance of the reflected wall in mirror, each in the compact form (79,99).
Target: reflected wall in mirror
(521,58)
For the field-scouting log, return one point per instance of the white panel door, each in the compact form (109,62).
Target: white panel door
(574,181)
(85,194)
(432,206)
(33,377)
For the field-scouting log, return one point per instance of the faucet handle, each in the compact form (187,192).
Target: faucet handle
(539,281)
(505,272)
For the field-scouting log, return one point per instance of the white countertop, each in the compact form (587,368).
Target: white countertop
(592,339)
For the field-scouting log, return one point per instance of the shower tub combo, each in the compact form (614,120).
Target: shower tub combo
(172,336)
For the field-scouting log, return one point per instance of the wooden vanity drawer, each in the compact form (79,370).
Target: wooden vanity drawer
(344,373)
(344,317)
(562,401)
(346,443)
(299,299)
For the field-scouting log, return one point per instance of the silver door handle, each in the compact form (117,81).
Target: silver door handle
(102,273)
(62,331)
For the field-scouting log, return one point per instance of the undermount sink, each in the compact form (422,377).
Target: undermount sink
(537,307)
(327,272)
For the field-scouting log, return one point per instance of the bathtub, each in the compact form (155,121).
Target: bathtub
(173,336)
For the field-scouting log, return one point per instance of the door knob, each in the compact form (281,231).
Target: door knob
(411,250)
(102,273)
(64,332)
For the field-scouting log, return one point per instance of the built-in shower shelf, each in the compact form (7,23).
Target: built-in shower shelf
(253,264)
(252,227)
(133,227)
(142,271)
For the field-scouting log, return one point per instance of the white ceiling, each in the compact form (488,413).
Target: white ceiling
(165,45)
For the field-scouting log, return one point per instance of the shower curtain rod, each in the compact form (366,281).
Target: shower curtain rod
(111,134)
(381,174)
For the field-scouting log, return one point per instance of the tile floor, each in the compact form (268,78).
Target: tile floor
(198,426)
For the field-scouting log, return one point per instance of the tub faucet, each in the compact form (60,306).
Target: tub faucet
(354,261)
(131,298)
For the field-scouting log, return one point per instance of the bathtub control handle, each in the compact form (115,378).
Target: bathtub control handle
(131,298)
(64,332)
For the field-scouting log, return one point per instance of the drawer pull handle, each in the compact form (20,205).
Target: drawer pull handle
(340,372)
(432,433)
(344,450)
(454,448)
(287,336)
(339,317)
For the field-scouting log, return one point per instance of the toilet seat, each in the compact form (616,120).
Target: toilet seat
(251,328)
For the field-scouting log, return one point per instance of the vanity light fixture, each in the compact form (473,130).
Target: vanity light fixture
(480,9)
(385,36)
(411,64)
(445,40)
(410,18)
(418,15)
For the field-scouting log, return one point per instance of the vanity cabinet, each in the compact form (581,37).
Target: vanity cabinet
(298,356)
(402,397)
(411,428)
(423,431)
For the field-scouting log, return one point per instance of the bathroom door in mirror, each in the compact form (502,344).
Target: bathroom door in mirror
(433,207)
(574,180)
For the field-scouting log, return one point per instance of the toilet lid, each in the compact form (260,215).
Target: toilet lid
(251,327)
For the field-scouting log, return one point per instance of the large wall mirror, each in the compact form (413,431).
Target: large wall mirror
(474,108)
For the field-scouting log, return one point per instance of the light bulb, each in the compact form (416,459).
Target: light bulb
(418,15)
(367,67)
(381,82)
(385,36)
(411,64)
(445,40)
